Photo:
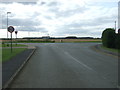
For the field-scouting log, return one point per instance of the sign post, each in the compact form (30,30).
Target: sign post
(16,36)
(11,30)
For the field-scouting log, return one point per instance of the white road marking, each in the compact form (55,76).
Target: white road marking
(75,59)
(78,61)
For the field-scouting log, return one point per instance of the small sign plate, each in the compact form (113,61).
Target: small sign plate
(16,32)
(11,29)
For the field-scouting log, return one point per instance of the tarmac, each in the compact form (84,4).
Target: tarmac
(11,68)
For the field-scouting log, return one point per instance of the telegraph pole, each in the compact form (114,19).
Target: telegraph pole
(7,23)
(7,26)
(115,26)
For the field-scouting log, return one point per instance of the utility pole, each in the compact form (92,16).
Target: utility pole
(115,26)
(7,23)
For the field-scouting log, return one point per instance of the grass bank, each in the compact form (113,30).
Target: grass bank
(13,45)
(6,51)
(88,42)
(56,41)
(31,41)
(111,49)
(7,55)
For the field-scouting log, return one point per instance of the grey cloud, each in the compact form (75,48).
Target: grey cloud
(24,22)
(28,3)
(24,3)
(72,28)
(53,3)
(48,17)
(55,6)
(20,22)
(95,27)
(68,13)
(87,32)
(94,22)
(31,29)
(106,19)
(68,30)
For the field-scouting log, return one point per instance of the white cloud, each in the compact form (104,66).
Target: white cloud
(62,17)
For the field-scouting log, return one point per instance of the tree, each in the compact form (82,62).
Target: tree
(108,38)
(117,41)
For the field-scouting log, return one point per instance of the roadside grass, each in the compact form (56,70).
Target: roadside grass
(87,41)
(13,45)
(111,49)
(35,41)
(56,41)
(6,53)
(79,41)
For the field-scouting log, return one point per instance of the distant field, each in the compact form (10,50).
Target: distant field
(77,40)
(55,40)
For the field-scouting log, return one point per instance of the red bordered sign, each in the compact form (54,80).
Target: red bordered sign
(11,29)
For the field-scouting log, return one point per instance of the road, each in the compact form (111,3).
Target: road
(68,65)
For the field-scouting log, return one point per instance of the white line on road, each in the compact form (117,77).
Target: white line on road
(84,64)
(81,63)
(78,61)
(75,59)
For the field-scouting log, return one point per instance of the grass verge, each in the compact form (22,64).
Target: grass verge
(87,41)
(13,45)
(6,53)
(36,41)
(111,49)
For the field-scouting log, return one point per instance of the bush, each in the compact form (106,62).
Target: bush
(108,38)
(117,41)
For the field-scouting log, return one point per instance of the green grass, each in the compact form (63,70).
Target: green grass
(14,45)
(87,41)
(35,41)
(110,49)
(6,53)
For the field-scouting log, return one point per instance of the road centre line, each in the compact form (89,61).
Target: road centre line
(81,63)
(75,59)
(78,61)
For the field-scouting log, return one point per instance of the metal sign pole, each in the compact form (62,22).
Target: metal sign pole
(16,39)
(16,36)
(11,29)
(7,26)
(11,42)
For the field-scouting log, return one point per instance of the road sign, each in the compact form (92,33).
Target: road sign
(11,29)
(16,32)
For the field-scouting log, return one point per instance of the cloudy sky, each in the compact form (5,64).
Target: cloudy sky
(82,18)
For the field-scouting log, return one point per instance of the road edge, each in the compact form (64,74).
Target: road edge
(20,68)
(107,52)
(103,51)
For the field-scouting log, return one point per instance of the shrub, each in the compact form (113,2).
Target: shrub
(117,41)
(108,38)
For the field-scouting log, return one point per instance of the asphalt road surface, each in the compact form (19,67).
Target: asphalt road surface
(68,65)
